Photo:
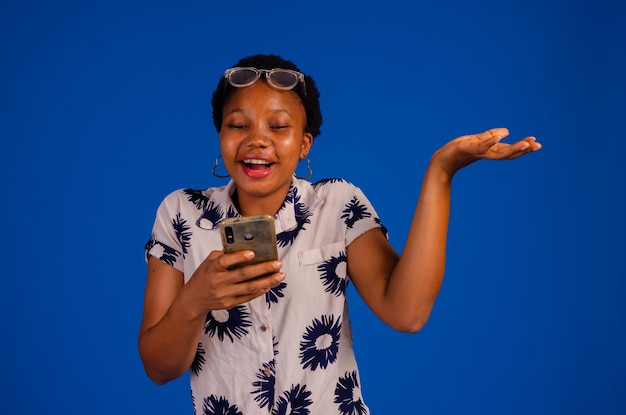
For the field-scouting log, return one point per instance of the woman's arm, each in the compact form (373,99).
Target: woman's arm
(169,330)
(402,290)
(175,312)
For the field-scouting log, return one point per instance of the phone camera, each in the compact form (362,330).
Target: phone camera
(230,238)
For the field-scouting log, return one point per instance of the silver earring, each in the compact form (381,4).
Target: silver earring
(308,166)
(217,163)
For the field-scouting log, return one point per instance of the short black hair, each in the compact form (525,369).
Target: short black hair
(310,99)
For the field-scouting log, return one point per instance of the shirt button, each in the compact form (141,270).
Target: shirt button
(264,327)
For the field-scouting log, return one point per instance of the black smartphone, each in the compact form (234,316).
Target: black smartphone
(255,233)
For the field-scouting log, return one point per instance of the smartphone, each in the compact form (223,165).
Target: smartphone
(255,233)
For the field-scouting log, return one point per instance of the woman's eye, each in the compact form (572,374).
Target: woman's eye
(237,126)
(278,126)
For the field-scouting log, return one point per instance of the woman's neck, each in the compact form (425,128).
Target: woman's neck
(250,206)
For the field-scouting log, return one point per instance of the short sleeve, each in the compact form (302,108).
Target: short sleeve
(358,215)
(164,243)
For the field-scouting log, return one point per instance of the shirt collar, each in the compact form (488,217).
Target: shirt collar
(220,205)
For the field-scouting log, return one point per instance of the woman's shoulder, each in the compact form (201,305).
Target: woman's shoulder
(333,185)
(189,197)
(339,191)
(337,187)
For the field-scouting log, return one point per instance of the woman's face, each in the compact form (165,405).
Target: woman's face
(262,139)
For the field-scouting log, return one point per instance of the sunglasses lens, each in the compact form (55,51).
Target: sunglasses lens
(283,79)
(243,77)
(277,78)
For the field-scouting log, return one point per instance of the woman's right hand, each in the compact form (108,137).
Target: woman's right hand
(214,287)
(174,312)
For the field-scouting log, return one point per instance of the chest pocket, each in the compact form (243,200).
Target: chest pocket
(322,254)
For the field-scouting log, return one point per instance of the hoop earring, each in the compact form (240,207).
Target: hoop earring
(308,166)
(217,163)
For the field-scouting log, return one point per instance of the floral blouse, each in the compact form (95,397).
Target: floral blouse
(290,351)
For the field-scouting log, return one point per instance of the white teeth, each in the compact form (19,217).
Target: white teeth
(256,161)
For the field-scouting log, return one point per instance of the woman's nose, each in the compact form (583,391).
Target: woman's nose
(257,137)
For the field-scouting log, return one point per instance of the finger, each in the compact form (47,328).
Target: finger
(525,142)
(235,301)
(249,272)
(532,147)
(494,134)
(527,145)
(230,260)
(250,289)
(264,282)
(212,255)
(229,295)
(502,151)
(490,138)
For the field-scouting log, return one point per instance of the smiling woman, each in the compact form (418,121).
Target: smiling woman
(262,140)
(277,335)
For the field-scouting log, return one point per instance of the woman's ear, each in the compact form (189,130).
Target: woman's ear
(307,142)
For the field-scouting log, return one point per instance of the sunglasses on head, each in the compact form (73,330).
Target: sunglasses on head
(284,79)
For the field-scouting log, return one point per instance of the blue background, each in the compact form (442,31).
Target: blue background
(106,108)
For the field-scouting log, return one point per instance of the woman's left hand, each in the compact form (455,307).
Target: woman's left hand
(467,149)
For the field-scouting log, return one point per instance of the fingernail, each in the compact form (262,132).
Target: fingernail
(524,146)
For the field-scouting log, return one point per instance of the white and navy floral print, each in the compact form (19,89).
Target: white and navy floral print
(290,351)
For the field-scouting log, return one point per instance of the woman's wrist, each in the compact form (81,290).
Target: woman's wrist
(439,169)
(187,305)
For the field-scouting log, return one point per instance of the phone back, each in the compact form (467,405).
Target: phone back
(256,233)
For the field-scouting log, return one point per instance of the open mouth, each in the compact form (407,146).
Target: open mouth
(257,164)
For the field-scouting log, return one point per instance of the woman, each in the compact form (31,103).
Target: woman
(264,345)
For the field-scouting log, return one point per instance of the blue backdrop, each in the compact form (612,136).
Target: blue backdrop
(106,108)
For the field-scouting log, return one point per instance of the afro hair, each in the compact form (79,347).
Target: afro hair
(310,97)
